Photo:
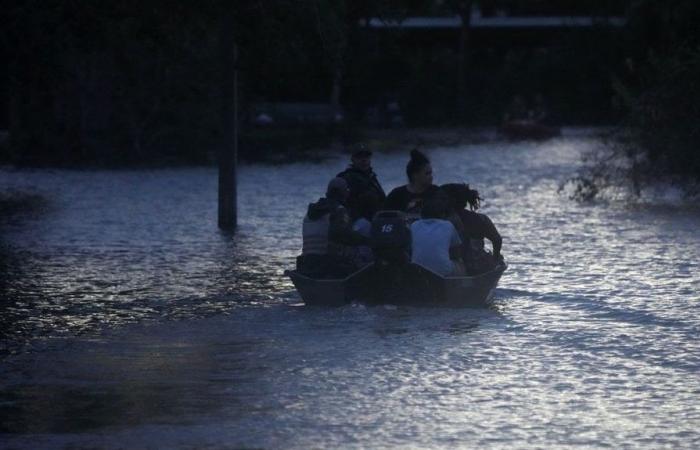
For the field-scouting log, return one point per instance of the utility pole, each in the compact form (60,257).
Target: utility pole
(228,149)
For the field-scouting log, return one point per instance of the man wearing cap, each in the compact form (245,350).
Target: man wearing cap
(329,243)
(361,179)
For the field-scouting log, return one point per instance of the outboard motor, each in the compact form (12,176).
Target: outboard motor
(390,238)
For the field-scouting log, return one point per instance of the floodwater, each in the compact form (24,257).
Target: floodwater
(129,321)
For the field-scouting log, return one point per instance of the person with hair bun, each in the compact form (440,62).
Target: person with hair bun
(411,197)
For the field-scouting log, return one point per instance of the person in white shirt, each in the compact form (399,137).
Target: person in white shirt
(435,243)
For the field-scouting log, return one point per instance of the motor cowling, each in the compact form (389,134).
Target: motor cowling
(390,237)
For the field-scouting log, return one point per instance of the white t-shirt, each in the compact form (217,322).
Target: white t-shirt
(431,240)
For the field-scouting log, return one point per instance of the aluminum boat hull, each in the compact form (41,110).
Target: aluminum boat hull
(407,284)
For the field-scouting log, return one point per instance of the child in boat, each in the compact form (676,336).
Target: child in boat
(473,228)
(367,206)
(435,243)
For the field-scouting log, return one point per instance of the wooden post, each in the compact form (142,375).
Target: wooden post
(228,151)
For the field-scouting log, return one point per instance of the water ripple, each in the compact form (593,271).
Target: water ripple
(128,320)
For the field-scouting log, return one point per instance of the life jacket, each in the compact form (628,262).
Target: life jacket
(316,227)
(361,182)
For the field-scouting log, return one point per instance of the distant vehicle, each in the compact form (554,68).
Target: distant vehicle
(527,129)
(399,284)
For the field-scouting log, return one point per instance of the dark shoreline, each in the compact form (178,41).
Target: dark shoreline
(284,146)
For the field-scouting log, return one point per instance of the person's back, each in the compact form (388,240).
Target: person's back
(435,243)
(478,227)
(328,238)
(431,240)
(316,228)
(473,228)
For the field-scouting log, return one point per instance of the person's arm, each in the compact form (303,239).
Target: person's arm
(340,229)
(492,234)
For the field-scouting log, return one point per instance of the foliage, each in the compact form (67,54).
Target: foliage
(135,82)
(107,81)
(659,95)
(664,112)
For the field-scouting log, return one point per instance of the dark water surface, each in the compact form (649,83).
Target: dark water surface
(129,321)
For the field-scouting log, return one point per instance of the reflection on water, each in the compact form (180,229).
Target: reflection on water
(86,386)
(128,320)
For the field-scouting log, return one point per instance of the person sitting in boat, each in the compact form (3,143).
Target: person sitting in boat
(361,180)
(411,197)
(368,204)
(473,228)
(435,243)
(328,249)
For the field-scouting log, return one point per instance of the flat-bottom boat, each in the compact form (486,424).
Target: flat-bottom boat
(404,284)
